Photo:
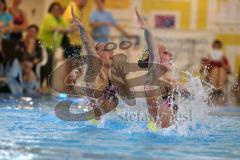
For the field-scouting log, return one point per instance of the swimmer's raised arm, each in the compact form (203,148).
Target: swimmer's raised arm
(85,36)
(154,56)
(94,65)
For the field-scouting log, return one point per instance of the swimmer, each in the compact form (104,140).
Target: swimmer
(102,82)
(160,105)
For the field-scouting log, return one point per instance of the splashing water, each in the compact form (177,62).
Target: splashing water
(191,118)
(194,110)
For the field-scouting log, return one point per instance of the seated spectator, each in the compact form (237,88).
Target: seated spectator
(19,20)
(5,21)
(216,66)
(11,73)
(215,69)
(30,84)
(29,47)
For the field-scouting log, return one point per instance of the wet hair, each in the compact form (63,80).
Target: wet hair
(217,42)
(53,5)
(5,5)
(33,26)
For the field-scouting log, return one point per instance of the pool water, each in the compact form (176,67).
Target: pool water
(36,133)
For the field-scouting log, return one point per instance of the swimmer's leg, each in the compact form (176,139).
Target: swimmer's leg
(218,77)
(222,77)
(160,113)
(153,57)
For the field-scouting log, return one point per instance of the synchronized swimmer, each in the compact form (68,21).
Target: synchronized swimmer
(158,61)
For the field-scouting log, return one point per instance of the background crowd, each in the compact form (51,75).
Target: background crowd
(27,50)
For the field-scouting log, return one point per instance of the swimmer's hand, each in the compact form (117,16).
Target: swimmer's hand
(75,20)
(141,19)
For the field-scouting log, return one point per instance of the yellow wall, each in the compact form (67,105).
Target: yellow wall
(229,39)
(64,2)
(118,4)
(183,7)
(237,64)
(202,6)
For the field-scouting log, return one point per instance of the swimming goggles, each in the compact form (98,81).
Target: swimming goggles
(123,45)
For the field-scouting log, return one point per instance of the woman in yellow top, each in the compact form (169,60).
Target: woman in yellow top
(53,27)
(51,34)
(82,9)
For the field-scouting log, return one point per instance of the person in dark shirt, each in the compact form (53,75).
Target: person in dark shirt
(10,69)
(29,48)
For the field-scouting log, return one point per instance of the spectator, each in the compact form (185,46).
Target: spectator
(101,21)
(29,78)
(30,47)
(51,34)
(5,21)
(216,66)
(20,22)
(11,73)
(75,43)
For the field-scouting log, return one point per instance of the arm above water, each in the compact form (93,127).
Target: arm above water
(94,64)
(154,56)
(87,40)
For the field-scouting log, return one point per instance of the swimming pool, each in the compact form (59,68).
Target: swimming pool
(36,133)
